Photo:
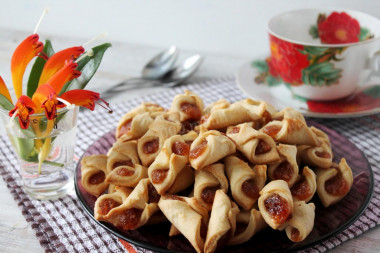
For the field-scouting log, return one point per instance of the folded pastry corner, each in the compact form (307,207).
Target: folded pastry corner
(122,154)
(305,187)
(136,209)
(248,223)
(290,128)
(334,183)
(188,216)
(169,164)
(94,172)
(256,146)
(222,223)
(135,123)
(207,181)
(245,184)
(189,105)
(302,221)
(150,144)
(106,202)
(276,204)
(209,147)
(287,168)
(128,176)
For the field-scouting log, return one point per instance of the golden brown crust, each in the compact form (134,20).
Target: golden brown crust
(94,172)
(256,146)
(122,153)
(207,182)
(222,222)
(334,183)
(216,146)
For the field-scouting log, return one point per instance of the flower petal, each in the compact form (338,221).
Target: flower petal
(45,98)
(4,90)
(58,60)
(41,94)
(65,74)
(22,55)
(85,98)
(24,107)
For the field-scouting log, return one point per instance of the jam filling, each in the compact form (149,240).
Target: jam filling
(159,175)
(262,148)
(122,163)
(278,208)
(124,172)
(106,205)
(198,150)
(283,171)
(154,197)
(125,128)
(129,219)
(97,178)
(336,185)
(180,148)
(191,110)
(208,194)
(250,189)
(301,189)
(272,130)
(151,147)
(323,154)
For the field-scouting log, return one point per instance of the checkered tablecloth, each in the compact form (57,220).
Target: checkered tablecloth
(63,226)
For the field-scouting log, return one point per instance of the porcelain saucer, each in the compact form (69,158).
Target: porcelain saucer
(249,77)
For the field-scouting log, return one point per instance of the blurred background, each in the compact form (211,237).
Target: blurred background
(229,27)
(228,33)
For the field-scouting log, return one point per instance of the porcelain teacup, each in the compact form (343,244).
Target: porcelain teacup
(323,54)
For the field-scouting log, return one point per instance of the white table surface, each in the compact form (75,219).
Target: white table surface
(120,62)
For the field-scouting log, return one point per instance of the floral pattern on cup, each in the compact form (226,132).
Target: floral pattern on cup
(297,65)
(366,99)
(339,28)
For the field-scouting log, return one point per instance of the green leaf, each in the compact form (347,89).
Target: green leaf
(88,66)
(313,31)
(321,74)
(37,68)
(314,51)
(364,34)
(5,103)
(261,65)
(373,91)
(273,81)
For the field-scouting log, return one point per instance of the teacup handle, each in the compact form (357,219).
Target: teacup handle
(374,66)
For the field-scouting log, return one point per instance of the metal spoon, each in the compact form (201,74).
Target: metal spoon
(157,67)
(160,64)
(171,79)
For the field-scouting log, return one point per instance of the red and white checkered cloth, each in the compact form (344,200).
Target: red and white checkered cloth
(63,226)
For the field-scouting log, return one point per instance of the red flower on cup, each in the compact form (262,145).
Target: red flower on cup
(287,61)
(338,28)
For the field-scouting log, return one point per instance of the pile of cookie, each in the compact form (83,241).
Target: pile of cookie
(219,174)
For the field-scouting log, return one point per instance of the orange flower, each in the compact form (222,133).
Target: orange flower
(65,74)
(85,98)
(58,60)
(4,90)
(24,107)
(22,55)
(45,98)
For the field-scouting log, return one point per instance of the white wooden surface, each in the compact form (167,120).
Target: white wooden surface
(120,62)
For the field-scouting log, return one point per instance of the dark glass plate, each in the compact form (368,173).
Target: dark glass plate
(328,221)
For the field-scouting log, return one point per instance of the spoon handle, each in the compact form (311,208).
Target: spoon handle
(130,84)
